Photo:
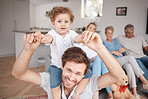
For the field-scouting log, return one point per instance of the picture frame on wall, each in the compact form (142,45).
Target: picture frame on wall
(121,11)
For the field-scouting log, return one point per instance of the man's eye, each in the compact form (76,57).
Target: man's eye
(78,74)
(66,21)
(69,70)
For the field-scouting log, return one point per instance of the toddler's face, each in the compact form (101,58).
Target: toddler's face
(62,24)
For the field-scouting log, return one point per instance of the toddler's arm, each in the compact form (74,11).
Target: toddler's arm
(47,39)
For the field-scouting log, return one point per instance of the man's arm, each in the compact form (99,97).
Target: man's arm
(116,73)
(20,69)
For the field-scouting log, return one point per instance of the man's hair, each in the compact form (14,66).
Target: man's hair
(128,27)
(90,24)
(109,28)
(61,10)
(77,55)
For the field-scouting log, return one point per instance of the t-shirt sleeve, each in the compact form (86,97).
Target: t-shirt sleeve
(94,83)
(144,43)
(45,81)
(73,34)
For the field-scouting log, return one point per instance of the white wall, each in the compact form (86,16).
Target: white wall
(32,15)
(14,15)
(136,15)
(21,15)
(6,27)
(74,5)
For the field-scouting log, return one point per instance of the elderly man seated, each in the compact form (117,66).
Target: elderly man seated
(134,45)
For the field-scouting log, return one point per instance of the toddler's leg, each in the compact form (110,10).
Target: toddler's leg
(96,66)
(109,91)
(55,81)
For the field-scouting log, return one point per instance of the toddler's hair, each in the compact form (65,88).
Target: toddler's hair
(61,10)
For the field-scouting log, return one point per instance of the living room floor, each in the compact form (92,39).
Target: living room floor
(11,87)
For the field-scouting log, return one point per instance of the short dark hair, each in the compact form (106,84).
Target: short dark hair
(77,55)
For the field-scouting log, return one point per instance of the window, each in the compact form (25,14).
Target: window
(91,8)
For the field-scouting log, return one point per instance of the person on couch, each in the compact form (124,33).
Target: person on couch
(128,63)
(134,45)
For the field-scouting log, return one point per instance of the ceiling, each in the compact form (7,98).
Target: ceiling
(40,2)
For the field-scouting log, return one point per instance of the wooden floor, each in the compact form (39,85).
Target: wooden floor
(11,87)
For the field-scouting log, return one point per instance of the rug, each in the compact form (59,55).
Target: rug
(103,94)
(39,96)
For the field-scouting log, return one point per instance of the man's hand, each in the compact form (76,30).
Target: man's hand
(94,40)
(30,42)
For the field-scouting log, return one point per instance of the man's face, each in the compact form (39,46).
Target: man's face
(72,74)
(129,33)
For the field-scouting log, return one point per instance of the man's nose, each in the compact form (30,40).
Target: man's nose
(72,77)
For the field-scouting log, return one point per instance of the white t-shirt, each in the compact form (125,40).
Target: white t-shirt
(86,94)
(134,46)
(89,52)
(59,45)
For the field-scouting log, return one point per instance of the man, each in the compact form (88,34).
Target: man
(134,45)
(75,65)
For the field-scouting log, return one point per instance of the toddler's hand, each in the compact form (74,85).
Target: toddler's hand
(39,35)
